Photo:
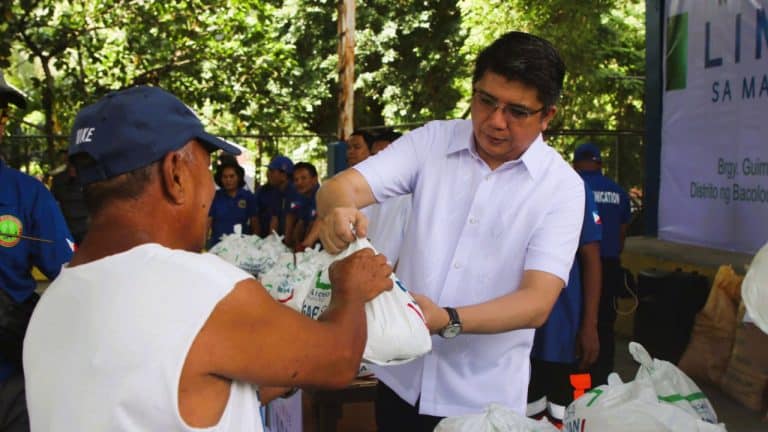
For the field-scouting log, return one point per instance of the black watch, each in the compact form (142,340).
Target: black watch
(453,328)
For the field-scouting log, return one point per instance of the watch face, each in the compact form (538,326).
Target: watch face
(451,330)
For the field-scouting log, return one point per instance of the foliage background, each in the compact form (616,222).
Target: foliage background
(264,71)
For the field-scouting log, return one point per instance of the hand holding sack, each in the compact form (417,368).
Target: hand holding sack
(397,332)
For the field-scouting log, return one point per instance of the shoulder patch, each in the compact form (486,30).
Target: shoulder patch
(11,229)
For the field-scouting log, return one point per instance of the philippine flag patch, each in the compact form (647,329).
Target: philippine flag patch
(596,218)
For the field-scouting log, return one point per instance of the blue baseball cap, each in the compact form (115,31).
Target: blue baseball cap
(587,151)
(133,128)
(281,163)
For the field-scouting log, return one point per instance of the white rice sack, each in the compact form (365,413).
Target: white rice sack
(754,289)
(672,385)
(495,418)
(250,252)
(293,276)
(630,407)
(397,332)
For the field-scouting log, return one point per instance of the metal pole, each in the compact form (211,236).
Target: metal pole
(346,29)
(617,156)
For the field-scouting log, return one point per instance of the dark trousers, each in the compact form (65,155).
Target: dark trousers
(393,414)
(13,405)
(613,280)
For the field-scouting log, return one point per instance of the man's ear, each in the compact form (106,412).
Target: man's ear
(175,176)
(550,114)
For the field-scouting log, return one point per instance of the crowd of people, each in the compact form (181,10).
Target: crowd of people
(510,251)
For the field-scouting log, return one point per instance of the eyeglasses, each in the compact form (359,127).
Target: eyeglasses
(511,112)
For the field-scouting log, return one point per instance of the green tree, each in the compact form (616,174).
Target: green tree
(406,57)
(264,67)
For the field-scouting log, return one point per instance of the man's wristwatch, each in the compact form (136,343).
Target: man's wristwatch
(453,328)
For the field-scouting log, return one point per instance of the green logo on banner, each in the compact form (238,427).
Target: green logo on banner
(677,52)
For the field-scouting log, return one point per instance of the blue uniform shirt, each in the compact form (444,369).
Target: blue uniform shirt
(306,208)
(555,341)
(274,202)
(227,211)
(28,208)
(613,205)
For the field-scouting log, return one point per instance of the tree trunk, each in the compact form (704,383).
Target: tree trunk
(48,102)
(346,67)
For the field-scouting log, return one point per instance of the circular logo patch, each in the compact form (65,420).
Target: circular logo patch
(241,203)
(10,230)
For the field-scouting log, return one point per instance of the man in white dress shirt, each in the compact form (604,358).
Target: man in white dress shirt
(490,241)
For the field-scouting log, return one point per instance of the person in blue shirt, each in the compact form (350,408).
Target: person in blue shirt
(232,204)
(33,232)
(278,198)
(568,342)
(305,208)
(614,209)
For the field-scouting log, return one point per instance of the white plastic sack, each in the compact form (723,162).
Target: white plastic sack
(672,385)
(293,277)
(754,289)
(397,332)
(250,252)
(495,418)
(630,407)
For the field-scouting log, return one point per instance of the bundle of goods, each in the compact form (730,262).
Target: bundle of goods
(660,398)
(709,349)
(397,332)
(495,418)
(250,252)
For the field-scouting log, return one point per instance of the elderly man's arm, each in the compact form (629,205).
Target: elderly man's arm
(250,337)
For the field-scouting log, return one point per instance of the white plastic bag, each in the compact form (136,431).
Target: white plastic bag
(754,289)
(672,385)
(250,252)
(397,332)
(318,296)
(495,418)
(292,278)
(630,407)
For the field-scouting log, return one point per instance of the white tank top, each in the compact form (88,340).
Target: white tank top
(108,339)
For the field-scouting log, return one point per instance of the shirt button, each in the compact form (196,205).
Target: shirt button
(487,178)
(473,220)
(456,265)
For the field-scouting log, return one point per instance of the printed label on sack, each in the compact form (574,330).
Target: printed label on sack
(574,425)
(283,291)
(318,298)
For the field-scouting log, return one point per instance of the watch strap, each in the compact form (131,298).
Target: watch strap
(453,316)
